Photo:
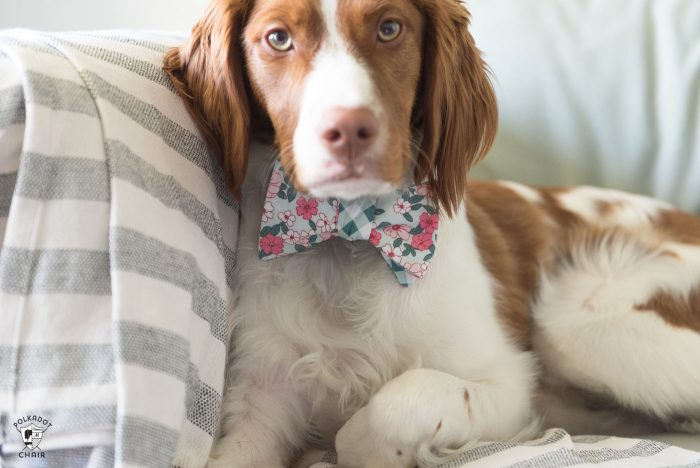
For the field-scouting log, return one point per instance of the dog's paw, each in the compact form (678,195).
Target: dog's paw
(361,443)
(414,414)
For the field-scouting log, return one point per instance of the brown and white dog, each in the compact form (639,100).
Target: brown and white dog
(566,297)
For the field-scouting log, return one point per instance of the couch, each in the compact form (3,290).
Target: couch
(129,365)
(596,92)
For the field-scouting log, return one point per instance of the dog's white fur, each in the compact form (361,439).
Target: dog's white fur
(333,324)
(590,335)
(327,341)
(337,81)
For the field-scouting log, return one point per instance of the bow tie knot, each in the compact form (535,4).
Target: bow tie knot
(402,225)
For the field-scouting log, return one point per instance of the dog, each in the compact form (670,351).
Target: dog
(579,307)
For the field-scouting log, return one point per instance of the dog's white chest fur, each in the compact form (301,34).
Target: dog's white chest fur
(328,338)
(338,321)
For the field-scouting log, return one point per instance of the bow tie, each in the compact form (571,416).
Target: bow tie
(402,225)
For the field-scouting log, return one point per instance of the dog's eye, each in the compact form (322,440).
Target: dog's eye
(389,30)
(280,40)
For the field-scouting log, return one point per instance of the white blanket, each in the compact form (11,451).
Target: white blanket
(555,449)
(116,260)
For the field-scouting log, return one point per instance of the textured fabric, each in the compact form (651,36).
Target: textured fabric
(402,225)
(113,320)
(555,449)
(117,241)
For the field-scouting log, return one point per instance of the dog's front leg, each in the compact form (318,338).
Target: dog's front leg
(265,421)
(426,411)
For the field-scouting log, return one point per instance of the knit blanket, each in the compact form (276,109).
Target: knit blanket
(117,247)
(118,242)
(555,448)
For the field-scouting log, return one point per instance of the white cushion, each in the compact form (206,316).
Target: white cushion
(597,92)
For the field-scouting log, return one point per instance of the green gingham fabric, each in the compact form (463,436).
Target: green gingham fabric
(402,225)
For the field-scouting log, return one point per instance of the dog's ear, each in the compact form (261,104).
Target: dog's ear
(209,73)
(456,103)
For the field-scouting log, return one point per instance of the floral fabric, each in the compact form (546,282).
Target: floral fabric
(403,226)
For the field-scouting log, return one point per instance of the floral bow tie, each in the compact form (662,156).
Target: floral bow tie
(403,225)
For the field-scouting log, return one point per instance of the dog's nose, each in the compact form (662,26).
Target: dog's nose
(349,133)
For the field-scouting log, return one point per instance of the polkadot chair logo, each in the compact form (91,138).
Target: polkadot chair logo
(32,429)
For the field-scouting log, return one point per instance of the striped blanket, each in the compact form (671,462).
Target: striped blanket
(117,246)
(555,449)
(118,239)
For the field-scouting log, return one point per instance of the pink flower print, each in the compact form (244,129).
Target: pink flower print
(336,211)
(398,230)
(416,269)
(304,238)
(307,209)
(392,253)
(402,206)
(287,218)
(268,211)
(325,227)
(272,245)
(324,224)
(292,237)
(429,222)
(375,237)
(422,241)
(275,182)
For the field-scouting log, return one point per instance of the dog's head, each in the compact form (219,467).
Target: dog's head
(360,93)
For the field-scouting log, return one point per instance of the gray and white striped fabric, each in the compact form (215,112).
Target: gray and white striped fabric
(117,240)
(555,449)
